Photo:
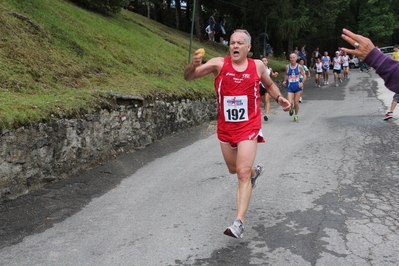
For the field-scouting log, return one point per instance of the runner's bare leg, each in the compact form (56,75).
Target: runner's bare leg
(240,161)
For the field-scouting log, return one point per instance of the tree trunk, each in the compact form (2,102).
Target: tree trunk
(178,14)
(158,11)
(148,9)
(199,28)
(290,46)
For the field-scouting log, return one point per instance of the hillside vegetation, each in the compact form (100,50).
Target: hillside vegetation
(58,60)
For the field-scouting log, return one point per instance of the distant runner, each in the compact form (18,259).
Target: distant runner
(294,85)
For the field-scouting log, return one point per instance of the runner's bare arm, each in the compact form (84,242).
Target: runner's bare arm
(273,74)
(285,76)
(195,70)
(303,75)
(271,87)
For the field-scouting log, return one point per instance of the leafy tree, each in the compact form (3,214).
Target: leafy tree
(285,21)
(317,23)
(377,21)
(289,18)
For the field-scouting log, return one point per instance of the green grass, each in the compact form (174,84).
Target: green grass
(58,64)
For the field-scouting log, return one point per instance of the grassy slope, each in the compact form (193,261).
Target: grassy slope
(50,65)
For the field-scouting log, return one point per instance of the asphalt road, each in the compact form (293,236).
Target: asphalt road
(329,196)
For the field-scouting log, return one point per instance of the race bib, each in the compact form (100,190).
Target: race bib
(293,78)
(235,108)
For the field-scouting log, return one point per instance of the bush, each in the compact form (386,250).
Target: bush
(101,6)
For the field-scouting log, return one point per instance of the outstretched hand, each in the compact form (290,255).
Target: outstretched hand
(365,44)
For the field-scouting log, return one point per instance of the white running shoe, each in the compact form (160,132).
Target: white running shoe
(259,171)
(236,230)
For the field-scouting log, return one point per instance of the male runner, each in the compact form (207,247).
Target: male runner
(294,86)
(239,126)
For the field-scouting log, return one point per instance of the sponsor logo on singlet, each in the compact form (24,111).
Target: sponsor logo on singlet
(234,102)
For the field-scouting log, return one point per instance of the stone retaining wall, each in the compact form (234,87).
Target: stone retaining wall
(31,157)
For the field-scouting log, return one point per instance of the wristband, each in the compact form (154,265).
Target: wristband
(278,98)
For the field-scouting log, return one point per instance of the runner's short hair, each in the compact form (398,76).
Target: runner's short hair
(246,32)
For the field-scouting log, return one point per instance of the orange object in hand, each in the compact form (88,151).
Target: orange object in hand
(202,52)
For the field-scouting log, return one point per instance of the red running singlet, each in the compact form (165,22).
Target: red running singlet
(238,95)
